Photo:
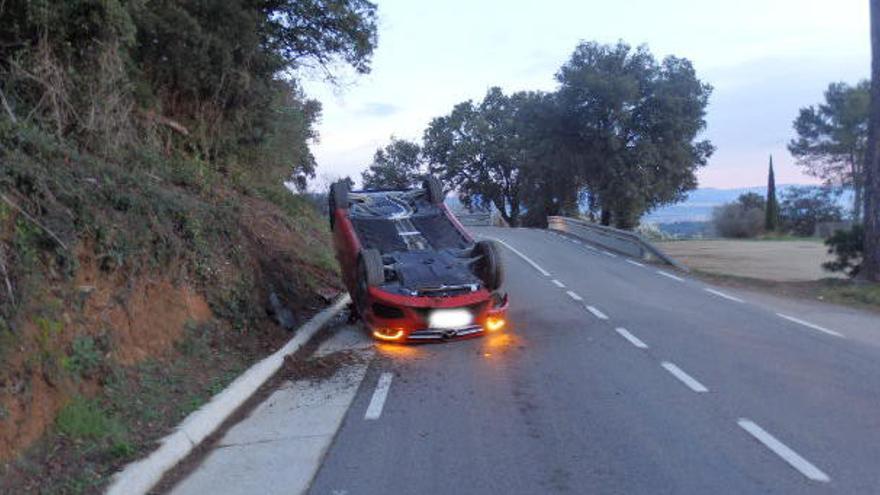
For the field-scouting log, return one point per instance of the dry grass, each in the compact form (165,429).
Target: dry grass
(776,260)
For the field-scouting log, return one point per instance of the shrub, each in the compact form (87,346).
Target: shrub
(848,247)
(82,418)
(738,220)
(802,208)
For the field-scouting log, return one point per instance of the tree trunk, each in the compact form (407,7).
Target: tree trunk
(871,262)
(502,210)
(606,216)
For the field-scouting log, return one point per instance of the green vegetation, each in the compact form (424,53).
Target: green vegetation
(744,218)
(832,139)
(85,419)
(146,143)
(398,166)
(848,247)
(771,210)
(802,208)
(532,154)
(862,295)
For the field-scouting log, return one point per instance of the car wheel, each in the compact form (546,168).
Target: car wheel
(371,272)
(373,267)
(338,198)
(434,190)
(488,268)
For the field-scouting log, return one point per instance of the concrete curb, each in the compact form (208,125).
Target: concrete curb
(140,476)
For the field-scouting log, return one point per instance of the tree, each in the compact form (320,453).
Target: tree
(475,149)
(212,79)
(751,201)
(633,124)
(771,211)
(832,138)
(803,207)
(870,268)
(397,166)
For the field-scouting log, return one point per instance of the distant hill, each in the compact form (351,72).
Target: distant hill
(697,207)
(700,202)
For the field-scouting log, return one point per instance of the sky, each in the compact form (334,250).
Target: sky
(765,60)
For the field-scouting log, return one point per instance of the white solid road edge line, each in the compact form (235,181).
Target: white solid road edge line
(791,457)
(721,294)
(631,338)
(683,377)
(524,257)
(669,275)
(597,313)
(558,284)
(809,325)
(140,476)
(374,410)
(574,296)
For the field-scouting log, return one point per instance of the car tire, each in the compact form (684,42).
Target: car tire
(338,198)
(434,190)
(488,268)
(373,268)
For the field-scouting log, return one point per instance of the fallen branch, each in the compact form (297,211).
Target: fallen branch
(161,119)
(34,221)
(6,275)
(7,107)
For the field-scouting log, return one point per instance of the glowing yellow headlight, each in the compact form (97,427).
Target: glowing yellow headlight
(494,323)
(388,334)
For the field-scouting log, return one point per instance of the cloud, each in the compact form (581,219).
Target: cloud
(378,109)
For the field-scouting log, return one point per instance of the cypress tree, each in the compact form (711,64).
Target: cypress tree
(771,222)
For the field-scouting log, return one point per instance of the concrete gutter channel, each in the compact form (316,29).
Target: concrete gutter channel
(621,241)
(141,476)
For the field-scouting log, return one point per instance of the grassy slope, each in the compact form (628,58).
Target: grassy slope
(136,289)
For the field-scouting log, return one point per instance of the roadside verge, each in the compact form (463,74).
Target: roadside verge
(140,476)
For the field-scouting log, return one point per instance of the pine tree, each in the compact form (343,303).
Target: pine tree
(771,222)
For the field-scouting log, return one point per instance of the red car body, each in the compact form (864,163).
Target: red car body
(393,316)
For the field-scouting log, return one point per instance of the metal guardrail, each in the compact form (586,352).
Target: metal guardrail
(480,218)
(622,241)
(475,219)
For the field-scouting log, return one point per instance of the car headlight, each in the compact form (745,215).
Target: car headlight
(450,318)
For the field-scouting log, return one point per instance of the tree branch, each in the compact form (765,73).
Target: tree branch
(34,221)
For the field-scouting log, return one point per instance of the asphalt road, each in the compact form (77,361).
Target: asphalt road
(701,392)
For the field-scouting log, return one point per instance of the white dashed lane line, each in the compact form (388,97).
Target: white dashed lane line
(790,456)
(574,296)
(607,253)
(809,325)
(669,275)
(683,377)
(558,284)
(597,313)
(524,257)
(374,410)
(636,263)
(723,295)
(631,338)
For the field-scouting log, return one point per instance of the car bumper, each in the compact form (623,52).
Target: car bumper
(389,320)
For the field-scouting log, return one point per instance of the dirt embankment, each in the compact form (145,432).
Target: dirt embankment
(131,320)
(104,335)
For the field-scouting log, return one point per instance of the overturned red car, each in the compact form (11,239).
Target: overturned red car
(414,273)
